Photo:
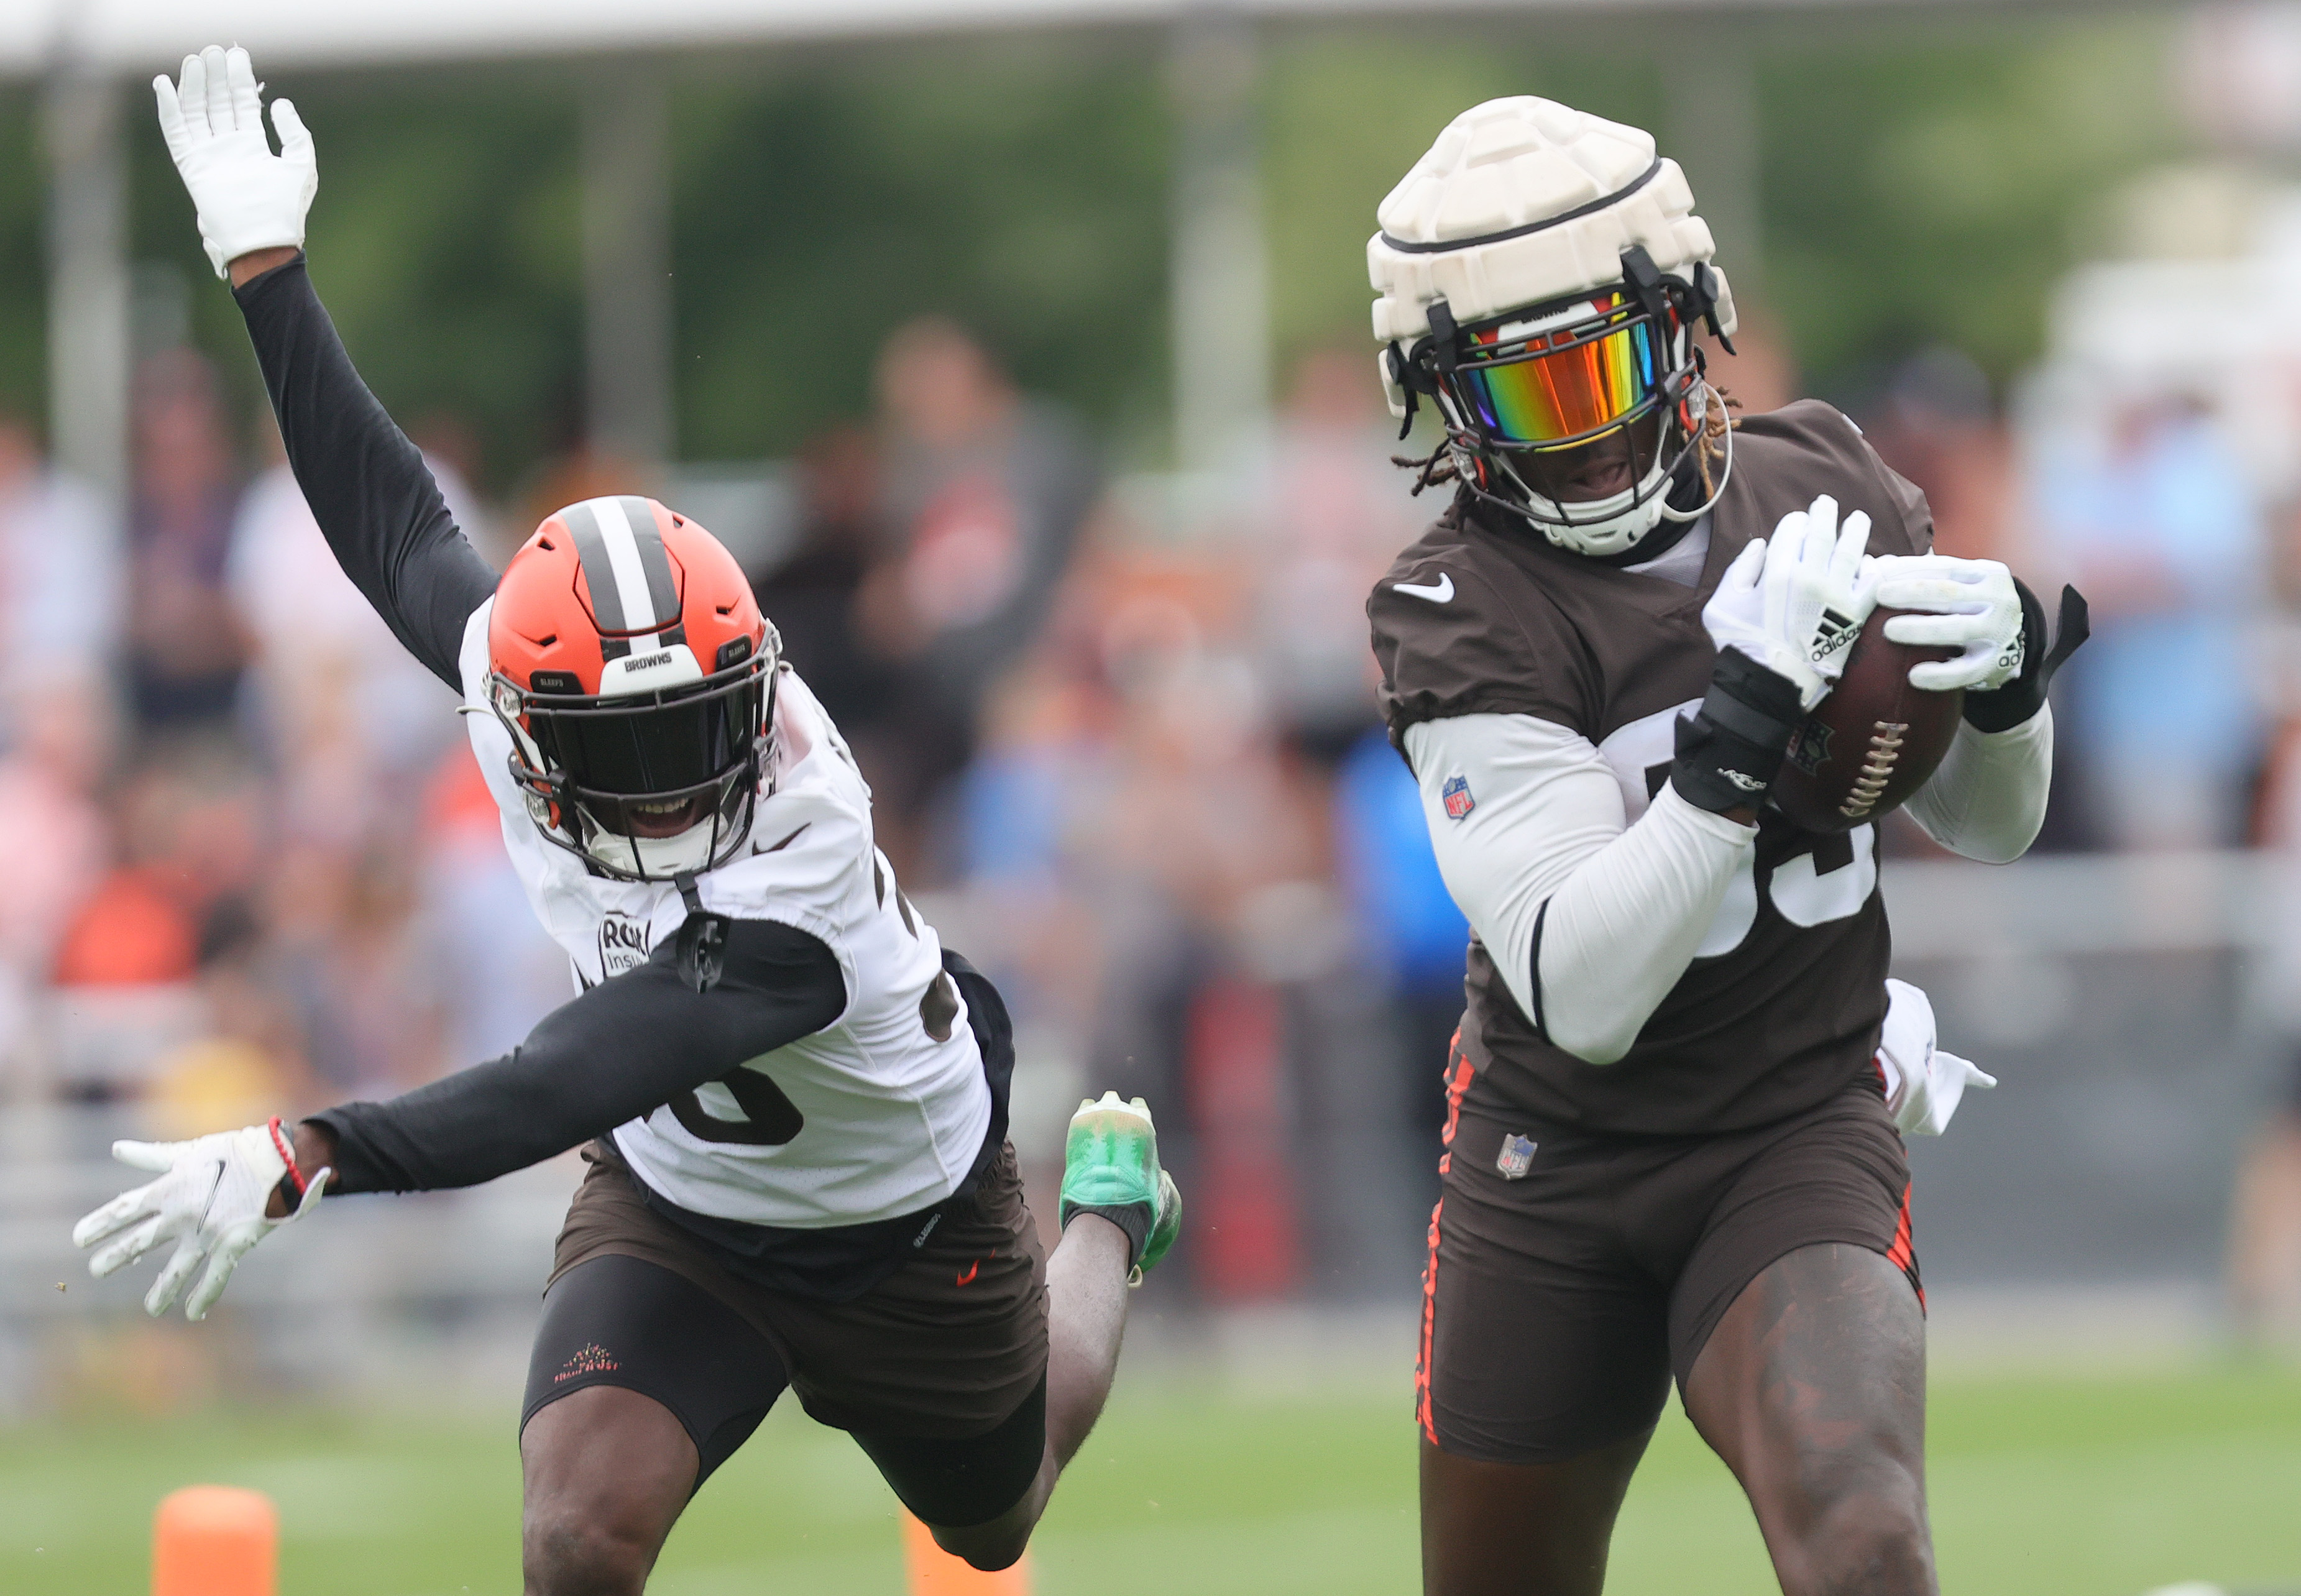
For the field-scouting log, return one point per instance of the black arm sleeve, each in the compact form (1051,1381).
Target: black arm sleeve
(622,1050)
(367,485)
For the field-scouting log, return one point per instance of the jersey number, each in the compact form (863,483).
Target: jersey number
(939,1004)
(770,1119)
(1807,889)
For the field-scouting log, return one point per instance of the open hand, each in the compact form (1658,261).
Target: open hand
(247,197)
(209,1199)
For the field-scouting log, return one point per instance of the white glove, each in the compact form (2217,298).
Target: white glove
(1923,1084)
(209,1199)
(247,197)
(1794,603)
(1967,605)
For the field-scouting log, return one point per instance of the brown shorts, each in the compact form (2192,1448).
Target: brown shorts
(1557,1305)
(947,1346)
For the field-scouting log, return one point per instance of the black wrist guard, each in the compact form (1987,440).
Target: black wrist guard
(1730,749)
(2001,709)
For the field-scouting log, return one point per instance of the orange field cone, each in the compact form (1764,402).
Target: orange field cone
(215,1540)
(934,1572)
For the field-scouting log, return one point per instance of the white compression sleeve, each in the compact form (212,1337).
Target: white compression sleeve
(1988,799)
(1627,905)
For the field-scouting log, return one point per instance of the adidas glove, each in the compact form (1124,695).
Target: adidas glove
(2023,693)
(1971,606)
(1796,602)
(210,1201)
(1784,618)
(247,197)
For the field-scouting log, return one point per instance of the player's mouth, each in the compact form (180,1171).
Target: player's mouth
(1596,471)
(665,819)
(1606,466)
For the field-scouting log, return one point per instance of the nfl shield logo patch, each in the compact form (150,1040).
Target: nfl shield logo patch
(1457,794)
(1516,1158)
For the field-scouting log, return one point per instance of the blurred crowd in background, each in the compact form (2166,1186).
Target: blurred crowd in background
(1138,777)
(1126,755)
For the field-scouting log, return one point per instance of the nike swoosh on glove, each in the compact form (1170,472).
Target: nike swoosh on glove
(1923,1084)
(1971,606)
(247,197)
(209,1200)
(1795,602)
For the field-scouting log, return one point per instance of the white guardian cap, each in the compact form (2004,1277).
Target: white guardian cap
(1540,273)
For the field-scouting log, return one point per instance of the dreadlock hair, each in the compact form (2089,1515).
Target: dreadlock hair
(1714,425)
(1432,470)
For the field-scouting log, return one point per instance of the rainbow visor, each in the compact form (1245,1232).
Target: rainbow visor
(1557,378)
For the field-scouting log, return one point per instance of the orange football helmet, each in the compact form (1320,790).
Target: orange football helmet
(628,660)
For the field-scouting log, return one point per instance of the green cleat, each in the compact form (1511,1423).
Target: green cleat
(1110,1168)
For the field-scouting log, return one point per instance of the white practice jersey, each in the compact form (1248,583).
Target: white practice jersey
(893,1117)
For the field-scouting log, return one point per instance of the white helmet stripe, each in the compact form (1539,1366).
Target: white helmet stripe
(637,603)
(655,559)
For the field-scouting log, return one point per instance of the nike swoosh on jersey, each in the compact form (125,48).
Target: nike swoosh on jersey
(1441,591)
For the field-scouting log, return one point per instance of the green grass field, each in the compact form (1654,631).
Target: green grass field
(2095,1486)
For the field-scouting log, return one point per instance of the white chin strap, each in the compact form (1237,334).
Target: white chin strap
(662,857)
(1619,523)
(1603,527)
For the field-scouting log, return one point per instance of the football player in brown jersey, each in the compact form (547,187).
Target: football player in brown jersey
(1668,1153)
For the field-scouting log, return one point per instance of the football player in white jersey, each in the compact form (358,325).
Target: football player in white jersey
(793,1098)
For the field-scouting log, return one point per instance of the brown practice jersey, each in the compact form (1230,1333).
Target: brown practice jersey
(1781,1006)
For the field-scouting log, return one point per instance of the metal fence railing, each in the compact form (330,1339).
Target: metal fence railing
(2136,1012)
(2133,1009)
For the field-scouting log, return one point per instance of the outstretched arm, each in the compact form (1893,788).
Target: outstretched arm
(366,484)
(642,1040)
(627,1047)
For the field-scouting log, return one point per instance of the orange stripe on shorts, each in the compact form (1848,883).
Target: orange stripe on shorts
(1429,1305)
(1458,1082)
(1904,1253)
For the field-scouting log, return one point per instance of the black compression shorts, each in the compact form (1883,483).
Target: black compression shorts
(1571,1275)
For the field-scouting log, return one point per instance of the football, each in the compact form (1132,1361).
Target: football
(1872,741)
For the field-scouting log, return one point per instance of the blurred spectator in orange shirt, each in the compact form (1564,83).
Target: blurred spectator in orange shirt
(186,826)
